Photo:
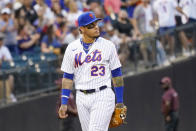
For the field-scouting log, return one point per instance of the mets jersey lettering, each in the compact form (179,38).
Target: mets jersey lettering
(93,69)
(96,56)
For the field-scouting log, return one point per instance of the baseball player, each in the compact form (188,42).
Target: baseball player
(90,62)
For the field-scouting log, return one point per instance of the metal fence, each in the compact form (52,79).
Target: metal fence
(32,77)
(155,47)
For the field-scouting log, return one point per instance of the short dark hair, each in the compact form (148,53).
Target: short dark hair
(20,28)
(62,24)
(72,28)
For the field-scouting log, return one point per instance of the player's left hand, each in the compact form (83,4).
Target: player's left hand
(119,115)
(119,105)
(63,112)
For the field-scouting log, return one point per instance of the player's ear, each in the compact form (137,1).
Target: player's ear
(81,29)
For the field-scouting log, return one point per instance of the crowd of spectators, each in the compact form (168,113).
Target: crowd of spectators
(52,24)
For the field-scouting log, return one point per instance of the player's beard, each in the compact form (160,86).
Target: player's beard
(95,37)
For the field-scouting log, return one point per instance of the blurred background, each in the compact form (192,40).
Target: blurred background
(154,38)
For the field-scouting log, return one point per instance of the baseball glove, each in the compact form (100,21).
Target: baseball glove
(118,117)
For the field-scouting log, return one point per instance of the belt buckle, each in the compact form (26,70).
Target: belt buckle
(85,92)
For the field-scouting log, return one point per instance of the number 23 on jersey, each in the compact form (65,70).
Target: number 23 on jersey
(98,70)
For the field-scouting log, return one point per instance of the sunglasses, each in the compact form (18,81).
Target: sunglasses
(91,26)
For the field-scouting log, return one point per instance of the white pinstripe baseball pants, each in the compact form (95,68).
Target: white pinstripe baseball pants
(95,110)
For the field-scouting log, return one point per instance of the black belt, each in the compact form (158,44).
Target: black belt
(93,90)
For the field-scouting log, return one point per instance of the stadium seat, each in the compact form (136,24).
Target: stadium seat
(6,65)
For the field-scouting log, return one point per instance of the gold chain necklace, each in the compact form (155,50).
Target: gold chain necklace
(88,46)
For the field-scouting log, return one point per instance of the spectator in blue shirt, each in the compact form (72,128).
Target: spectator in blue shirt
(26,42)
(50,42)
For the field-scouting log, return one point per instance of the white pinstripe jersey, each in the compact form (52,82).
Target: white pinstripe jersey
(91,70)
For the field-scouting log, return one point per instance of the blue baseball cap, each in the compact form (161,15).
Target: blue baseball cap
(87,18)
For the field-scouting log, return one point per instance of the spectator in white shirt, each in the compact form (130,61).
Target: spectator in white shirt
(8,28)
(73,35)
(73,13)
(165,10)
(143,14)
(189,7)
(4,3)
(5,55)
(46,16)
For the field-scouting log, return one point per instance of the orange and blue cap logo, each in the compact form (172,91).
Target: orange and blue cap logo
(91,15)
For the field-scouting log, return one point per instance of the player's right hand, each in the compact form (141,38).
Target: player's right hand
(168,118)
(63,112)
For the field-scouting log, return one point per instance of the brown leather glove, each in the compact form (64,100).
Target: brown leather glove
(118,117)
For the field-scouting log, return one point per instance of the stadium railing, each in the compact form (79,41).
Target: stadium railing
(136,54)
